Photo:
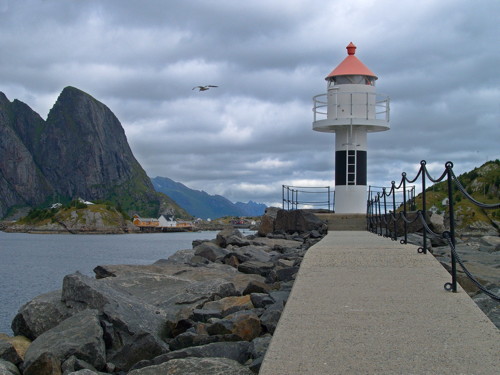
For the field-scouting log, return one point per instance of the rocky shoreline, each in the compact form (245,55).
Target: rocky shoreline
(211,309)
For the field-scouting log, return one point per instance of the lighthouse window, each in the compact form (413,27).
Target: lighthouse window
(354,79)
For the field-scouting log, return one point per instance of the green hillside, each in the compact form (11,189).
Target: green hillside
(481,183)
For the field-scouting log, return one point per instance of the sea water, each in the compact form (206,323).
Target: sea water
(33,264)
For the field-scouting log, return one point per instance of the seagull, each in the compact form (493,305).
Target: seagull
(204,88)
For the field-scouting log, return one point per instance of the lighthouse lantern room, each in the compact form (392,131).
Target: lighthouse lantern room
(351,108)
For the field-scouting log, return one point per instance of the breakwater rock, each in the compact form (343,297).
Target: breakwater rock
(211,309)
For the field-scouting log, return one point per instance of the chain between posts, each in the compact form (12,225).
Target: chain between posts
(379,222)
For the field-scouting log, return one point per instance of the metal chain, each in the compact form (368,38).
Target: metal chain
(447,237)
(441,178)
(382,218)
(464,192)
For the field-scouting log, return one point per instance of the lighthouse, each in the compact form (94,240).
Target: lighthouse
(351,108)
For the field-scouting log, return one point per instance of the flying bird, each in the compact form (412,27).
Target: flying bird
(204,88)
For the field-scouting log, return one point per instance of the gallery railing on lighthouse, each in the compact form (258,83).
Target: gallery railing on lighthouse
(360,105)
(384,216)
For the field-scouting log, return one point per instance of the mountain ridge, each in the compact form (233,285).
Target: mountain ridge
(203,205)
(81,150)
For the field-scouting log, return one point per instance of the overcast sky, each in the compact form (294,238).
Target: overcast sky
(438,61)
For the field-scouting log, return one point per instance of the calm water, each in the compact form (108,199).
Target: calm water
(33,264)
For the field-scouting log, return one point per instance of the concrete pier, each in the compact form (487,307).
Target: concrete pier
(363,304)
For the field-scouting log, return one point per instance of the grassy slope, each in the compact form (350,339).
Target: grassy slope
(481,183)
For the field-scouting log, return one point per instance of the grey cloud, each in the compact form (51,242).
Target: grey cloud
(437,61)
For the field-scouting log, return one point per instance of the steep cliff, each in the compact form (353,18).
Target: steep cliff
(80,151)
(21,181)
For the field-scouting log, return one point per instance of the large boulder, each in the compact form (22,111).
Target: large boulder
(13,349)
(238,351)
(277,244)
(73,364)
(9,353)
(230,236)
(488,305)
(133,329)
(271,316)
(167,278)
(261,253)
(258,350)
(267,221)
(244,324)
(80,335)
(45,364)
(491,241)
(194,365)
(298,221)
(140,306)
(256,287)
(40,314)
(181,257)
(261,300)
(282,274)
(190,338)
(210,251)
(84,371)
(8,368)
(256,267)
(229,305)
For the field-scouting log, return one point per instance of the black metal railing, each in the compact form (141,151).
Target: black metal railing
(305,197)
(384,216)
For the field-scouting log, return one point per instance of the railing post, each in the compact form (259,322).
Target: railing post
(288,198)
(379,232)
(395,234)
(385,214)
(405,212)
(449,168)
(414,194)
(368,106)
(424,208)
(368,208)
(368,214)
(328,198)
(283,196)
(351,104)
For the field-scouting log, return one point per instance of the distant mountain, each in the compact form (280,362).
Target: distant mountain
(80,151)
(200,204)
(252,208)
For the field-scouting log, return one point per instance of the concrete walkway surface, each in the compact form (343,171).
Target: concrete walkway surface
(364,304)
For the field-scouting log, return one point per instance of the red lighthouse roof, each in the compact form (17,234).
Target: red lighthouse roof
(351,65)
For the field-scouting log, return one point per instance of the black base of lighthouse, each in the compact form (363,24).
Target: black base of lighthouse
(350,167)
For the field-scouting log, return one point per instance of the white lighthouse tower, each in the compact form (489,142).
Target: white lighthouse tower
(351,108)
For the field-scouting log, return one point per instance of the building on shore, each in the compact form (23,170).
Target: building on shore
(162,224)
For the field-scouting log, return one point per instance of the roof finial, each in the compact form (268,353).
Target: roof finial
(351,49)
